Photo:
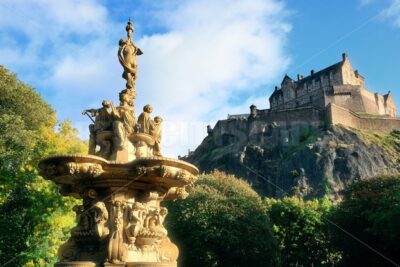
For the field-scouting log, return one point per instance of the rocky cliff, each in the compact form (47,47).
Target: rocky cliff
(321,164)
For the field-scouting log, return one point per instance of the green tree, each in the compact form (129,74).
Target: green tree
(370,211)
(29,226)
(301,231)
(222,223)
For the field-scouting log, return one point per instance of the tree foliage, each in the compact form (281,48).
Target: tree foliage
(222,223)
(35,218)
(301,231)
(370,211)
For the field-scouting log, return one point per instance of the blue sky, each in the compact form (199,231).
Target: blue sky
(202,59)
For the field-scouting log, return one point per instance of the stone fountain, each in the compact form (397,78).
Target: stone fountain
(122,182)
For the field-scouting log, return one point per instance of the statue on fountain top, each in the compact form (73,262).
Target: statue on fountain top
(115,131)
(127,53)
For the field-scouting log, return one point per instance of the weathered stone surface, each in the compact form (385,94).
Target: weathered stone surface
(77,264)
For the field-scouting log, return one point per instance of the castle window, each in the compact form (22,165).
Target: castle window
(313,83)
(305,87)
(331,75)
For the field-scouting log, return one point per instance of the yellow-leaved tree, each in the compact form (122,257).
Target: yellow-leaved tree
(35,219)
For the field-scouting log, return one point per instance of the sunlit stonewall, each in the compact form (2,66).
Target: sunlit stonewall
(122,182)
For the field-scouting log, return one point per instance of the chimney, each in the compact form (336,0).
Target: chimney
(312,72)
(276,88)
(356,73)
(344,56)
(298,77)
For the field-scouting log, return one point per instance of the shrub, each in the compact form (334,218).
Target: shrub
(222,223)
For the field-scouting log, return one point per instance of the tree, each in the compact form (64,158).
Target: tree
(28,203)
(370,211)
(301,231)
(222,223)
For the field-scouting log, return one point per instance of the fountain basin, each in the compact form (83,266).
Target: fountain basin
(159,174)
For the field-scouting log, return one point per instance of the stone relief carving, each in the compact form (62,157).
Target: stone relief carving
(84,169)
(116,246)
(91,227)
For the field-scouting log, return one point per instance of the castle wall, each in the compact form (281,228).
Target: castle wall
(313,96)
(349,76)
(230,130)
(380,103)
(370,102)
(347,96)
(286,126)
(340,115)
(390,107)
(299,116)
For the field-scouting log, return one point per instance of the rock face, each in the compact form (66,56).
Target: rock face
(322,164)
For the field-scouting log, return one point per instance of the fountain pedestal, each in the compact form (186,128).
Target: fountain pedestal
(120,222)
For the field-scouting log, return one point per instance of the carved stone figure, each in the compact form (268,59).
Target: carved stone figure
(156,132)
(136,217)
(144,120)
(100,217)
(127,53)
(82,221)
(116,246)
(156,222)
(103,122)
(123,124)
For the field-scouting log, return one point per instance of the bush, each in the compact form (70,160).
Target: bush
(222,223)
(301,231)
(370,211)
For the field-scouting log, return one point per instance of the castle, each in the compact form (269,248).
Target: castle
(334,95)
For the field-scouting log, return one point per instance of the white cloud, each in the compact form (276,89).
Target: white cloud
(366,2)
(211,51)
(393,12)
(207,52)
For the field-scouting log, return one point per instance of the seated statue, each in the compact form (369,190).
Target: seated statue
(102,122)
(144,120)
(123,124)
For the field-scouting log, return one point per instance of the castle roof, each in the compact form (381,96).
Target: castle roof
(327,70)
(310,77)
(287,77)
(276,93)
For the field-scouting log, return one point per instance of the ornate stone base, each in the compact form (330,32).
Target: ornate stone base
(150,264)
(76,264)
(121,219)
(129,264)
(115,264)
